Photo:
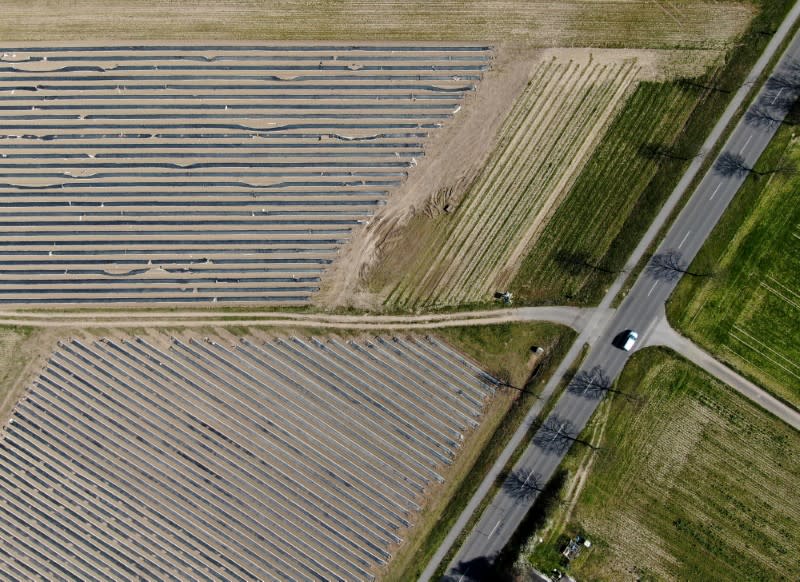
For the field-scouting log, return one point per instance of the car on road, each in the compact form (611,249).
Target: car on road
(630,340)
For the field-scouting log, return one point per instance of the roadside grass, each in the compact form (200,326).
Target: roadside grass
(499,349)
(693,482)
(587,242)
(748,315)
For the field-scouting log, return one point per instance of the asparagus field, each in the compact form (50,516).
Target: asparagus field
(276,458)
(552,129)
(196,174)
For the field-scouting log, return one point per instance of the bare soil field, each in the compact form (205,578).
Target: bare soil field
(227,456)
(689,482)
(599,23)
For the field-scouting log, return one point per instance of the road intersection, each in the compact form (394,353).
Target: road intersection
(642,310)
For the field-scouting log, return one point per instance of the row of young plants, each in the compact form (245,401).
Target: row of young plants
(539,148)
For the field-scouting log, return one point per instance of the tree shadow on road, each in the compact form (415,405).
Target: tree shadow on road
(477,570)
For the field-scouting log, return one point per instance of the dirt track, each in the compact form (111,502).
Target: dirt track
(574,317)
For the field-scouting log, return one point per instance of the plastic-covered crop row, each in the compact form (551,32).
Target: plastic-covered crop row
(286,458)
(179,154)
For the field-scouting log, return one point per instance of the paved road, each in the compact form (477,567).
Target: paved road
(640,311)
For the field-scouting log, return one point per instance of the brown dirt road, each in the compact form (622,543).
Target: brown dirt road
(574,317)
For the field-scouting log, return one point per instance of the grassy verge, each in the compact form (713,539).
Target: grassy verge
(17,350)
(633,171)
(749,313)
(501,348)
(685,486)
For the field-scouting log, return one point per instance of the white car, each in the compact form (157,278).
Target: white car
(630,341)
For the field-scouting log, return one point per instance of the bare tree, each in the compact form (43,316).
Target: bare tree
(731,164)
(523,484)
(704,86)
(476,569)
(557,435)
(594,383)
(503,380)
(786,79)
(670,266)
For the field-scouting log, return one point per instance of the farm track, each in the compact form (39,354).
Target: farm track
(164,457)
(196,174)
(574,317)
(542,139)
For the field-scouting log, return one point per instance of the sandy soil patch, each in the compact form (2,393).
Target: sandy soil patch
(454,155)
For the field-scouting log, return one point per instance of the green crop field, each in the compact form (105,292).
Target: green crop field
(464,258)
(749,313)
(692,483)
(578,252)
(633,23)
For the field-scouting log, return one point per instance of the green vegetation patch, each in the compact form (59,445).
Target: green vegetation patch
(749,313)
(693,482)
(632,172)
(504,350)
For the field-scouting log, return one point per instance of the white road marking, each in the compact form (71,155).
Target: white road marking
(745,143)
(684,238)
(778,94)
(494,529)
(652,288)
(714,193)
(528,477)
